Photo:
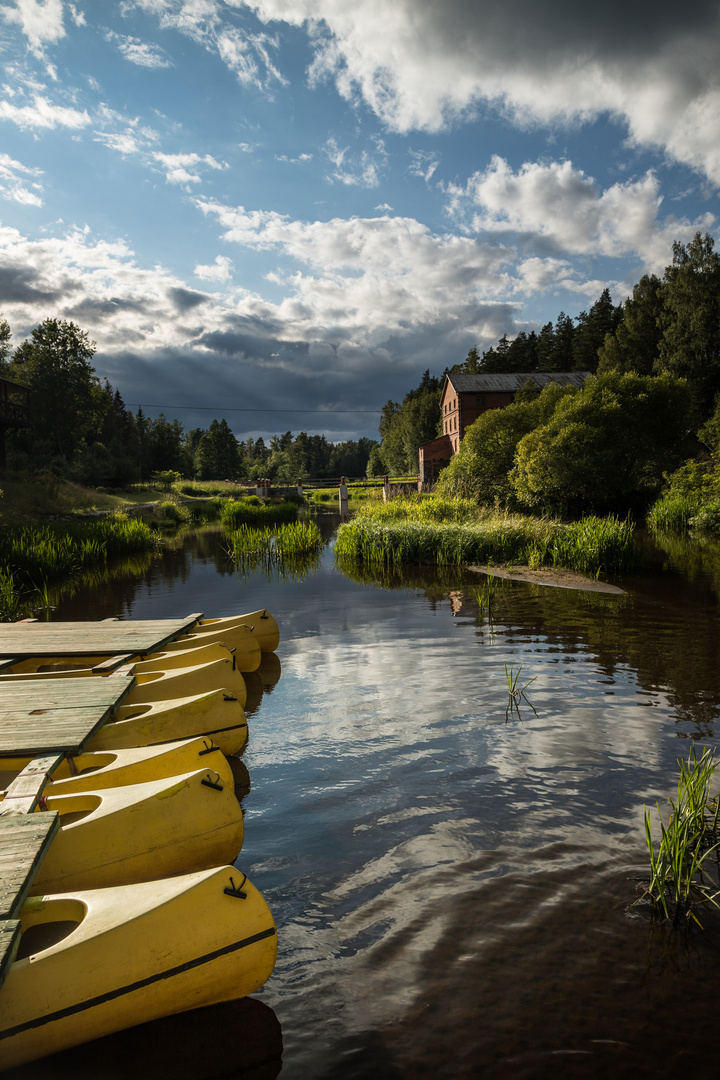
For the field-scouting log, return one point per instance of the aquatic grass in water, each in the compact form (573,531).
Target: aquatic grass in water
(407,531)
(252,510)
(281,552)
(277,542)
(680,878)
(32,557)
(516,693)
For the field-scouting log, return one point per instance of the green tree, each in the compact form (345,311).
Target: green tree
(162,450)
(404,428)
(690,319)
(218,455)
(635,343)
(67,402)
(604,447)
(486,454)
(592,328)
(555,353)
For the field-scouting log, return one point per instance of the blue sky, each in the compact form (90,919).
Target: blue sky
(300,205)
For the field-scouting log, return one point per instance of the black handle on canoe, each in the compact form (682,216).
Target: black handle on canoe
(236,889)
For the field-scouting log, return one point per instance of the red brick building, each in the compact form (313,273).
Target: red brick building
(465,397)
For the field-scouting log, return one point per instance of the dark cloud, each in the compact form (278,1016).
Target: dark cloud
(17,286)
(540,33)
(186,299)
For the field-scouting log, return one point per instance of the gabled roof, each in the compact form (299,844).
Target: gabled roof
(512,381)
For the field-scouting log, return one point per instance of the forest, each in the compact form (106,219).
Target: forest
(81,430)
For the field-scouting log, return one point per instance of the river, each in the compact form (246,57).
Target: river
(452,882)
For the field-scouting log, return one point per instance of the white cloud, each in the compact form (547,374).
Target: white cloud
(141,53)
(362,171)
(423,163)
(12,182)
(558,205)
(177,166)
(421,65)
(40,20)
(220,270)
(293,160)
(364,279)
(43,114)
(248,55)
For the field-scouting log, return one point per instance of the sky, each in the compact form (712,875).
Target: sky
(282,212)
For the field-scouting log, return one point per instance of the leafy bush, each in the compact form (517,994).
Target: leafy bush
(481,467)
(606,445)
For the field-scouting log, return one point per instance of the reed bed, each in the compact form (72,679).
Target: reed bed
(252,510)
(454,531)
(275,541)
(683,876)
(281,552)
(33,557)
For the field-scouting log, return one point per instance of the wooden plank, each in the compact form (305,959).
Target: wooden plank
(22,640)
(23,844)
(58,693)
(22,796)
(9,941)
(56,715)
(110,664)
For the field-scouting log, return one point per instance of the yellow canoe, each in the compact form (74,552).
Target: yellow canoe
(117,768)
(262,624)
(98,961)
(139,832)
(155,681)
(239,639)
(214,715)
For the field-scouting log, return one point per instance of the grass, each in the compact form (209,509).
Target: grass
(516,693)
(32,499)
(282,552)
(252,510)
(455,531)
(275,542)
(33,557)
(680,879)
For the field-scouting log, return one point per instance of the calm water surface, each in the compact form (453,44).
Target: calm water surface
(451,884)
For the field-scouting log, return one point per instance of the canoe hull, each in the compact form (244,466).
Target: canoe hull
(139,953)
(141,832)
(210,715)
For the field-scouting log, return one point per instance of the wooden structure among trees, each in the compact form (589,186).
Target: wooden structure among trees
(14,411)
(465,397)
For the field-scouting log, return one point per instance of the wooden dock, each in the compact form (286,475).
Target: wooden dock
(110,637)
(23,842)
(45,720)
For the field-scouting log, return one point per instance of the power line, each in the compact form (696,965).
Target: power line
(225,408)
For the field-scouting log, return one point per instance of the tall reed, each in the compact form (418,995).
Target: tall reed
(251,511)
(452,531)
(681,879)
(32,557)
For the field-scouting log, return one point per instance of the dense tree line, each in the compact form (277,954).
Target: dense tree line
(652,399)
(81,428)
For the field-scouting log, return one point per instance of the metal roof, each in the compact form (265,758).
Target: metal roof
(504,383)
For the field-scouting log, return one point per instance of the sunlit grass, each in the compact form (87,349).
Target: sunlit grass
(680,877)
(455,531)
(34,557)
(251,510)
